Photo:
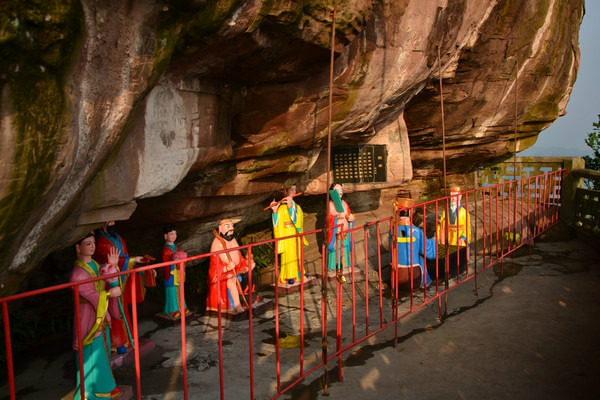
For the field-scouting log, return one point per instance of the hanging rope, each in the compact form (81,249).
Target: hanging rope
(443,118)
(516,120)
(515,153)
(330,114)
(324,276)
(446,283)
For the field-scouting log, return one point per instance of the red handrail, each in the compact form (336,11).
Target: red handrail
(539,213)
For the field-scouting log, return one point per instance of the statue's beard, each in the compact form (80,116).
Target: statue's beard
(112,233)
(228,237)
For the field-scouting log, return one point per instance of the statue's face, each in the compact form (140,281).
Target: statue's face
(226,228)
(291,191)
(171,237)
(455,199)
(86,248)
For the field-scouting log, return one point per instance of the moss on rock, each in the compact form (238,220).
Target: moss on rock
(37,43)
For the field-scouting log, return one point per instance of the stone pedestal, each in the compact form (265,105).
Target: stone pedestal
(347,275)
(295,287)
(118,360)
(164,320)
(258,308)
(126,393)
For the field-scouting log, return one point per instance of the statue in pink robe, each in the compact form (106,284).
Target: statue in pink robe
(97,306)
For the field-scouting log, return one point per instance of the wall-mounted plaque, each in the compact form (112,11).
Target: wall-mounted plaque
(359,164)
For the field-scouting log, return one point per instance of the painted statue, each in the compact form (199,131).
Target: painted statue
(412,246)
(339,243)
(224,287)
(97,308)
(458,235)
(172,275)
(459,224)
(120,330)
(288,220)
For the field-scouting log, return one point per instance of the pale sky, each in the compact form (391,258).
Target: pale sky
(566,136)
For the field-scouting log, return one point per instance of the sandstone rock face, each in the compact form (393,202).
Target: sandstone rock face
(163,112)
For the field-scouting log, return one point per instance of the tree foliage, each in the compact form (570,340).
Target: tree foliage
(593,141)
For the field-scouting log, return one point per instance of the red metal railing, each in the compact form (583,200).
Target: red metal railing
(503,218)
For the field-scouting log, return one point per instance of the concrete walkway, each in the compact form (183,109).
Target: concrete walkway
(531,334)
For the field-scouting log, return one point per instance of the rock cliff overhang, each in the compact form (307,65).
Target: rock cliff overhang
(169,111)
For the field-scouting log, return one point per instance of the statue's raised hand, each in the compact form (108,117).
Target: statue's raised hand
(113,256)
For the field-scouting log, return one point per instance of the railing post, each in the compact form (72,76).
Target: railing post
(9,357)
(570,183)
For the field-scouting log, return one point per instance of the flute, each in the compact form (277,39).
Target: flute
(281,201)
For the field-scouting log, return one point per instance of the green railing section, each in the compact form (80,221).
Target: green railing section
(525,167)
(579,206)
(587,202)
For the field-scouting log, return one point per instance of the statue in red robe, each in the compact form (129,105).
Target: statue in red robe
(172,275)
(224,286)
(120,330)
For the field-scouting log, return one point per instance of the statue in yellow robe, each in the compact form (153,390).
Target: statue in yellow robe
(458,236)
(288,220)
(459,224)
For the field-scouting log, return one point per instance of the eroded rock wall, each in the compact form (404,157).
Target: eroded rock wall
(183,112)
